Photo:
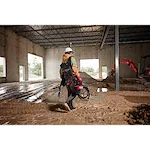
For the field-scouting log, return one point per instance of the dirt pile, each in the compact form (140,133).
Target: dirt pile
(112,79)
(139,115)
(87,78)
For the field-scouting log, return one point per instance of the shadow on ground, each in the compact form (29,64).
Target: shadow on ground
(58,108)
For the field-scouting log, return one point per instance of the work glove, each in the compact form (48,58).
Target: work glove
(79,79)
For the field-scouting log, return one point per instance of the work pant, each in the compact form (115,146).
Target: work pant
(71,93)
(71,90)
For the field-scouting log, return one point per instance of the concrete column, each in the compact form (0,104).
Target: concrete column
(12,69)
(26,63)
(5,51)
(117,56)
(44,63)
(4,68)
(17,56)
(100,67)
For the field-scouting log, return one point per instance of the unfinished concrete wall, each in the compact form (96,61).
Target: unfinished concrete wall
(131,52)
(54,56)
(2,50)
(26,47)
(105,56)
(15,49)
(53,60)
(12,58)
(2,54)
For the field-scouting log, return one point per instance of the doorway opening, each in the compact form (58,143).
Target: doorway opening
(90,66)
(35,67)
(104,72)
(2,67)
(22,73)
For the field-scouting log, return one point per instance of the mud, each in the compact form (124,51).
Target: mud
(103,108)
(110,108)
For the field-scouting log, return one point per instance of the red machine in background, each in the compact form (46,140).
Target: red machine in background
(126,62)
(144,67)
(130,64)
(142,70)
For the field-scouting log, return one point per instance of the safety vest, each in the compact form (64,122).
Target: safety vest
(66,69)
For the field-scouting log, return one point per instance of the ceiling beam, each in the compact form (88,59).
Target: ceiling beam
(73,33)
(130,27)
(97,43)
(105,36)
(128,42)
(130,36)
(17,25)
(74,44)
(42,36)
(111,32)
(128,39)
(61,36)
(60,28)
(61,42)
(73,37)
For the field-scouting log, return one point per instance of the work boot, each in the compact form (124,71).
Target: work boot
(70,105)
(70,100)
(67,107)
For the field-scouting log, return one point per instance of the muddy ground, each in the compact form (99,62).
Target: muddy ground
(127,106)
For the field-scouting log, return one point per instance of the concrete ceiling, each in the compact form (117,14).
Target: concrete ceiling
(49,36)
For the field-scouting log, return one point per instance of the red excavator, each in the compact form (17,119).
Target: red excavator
(142,70)
(144,66)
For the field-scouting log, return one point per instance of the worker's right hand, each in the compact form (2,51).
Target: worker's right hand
(79,79)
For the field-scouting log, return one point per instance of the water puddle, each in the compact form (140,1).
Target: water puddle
(25,91)
(2,91)
(102,90)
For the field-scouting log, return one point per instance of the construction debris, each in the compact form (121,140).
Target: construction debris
(87,78)
(112,79)
(139,115)
(111,107)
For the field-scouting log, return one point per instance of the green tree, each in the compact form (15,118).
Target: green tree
(1,70)
(37,69)
(89,70)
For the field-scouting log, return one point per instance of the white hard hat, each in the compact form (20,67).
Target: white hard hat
(68,49)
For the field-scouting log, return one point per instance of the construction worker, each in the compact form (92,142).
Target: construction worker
(69,74)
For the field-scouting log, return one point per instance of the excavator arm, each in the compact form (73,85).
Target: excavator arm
(145,69)
(126,62)
(129,63)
